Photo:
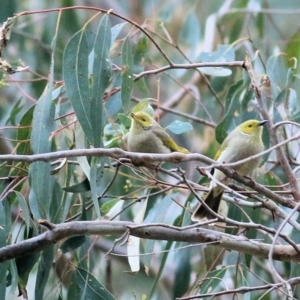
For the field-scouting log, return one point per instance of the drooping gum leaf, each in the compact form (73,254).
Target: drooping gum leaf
(24,207)
(156,215)
(44,269)
(93,288)
(24,133)
(232,101)
(4,265)
(42,126)
(115,30)
(95,175)
(127,74)
(75,73)
(101,76)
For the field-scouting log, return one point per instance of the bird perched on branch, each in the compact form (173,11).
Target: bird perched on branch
(243,142)
(146,135)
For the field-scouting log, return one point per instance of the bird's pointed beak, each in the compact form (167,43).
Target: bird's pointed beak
(263,122)
(133,116)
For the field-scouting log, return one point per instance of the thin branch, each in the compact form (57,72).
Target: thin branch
(192,234)
(230,64)
(243,290)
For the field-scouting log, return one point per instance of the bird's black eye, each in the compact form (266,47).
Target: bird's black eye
(250,125)
(144,120)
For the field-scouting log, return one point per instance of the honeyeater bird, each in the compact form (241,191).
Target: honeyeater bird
(244,141)
(146,135)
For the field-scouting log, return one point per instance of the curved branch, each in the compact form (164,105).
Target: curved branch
(115,153)
(192,234)
(141,158)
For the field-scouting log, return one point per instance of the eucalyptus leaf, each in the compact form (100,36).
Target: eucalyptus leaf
(44,269)
(107,206)
(42,126)
(4,265)
(179,127)
(24,207)
(127,74)
(24,132)
(224,53)
(115,31)
(144,105)
(277,70)
(101,76)
(76,77)
(93,288)
(81,187)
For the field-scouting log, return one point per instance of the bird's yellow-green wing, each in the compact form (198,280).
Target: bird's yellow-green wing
(168,141)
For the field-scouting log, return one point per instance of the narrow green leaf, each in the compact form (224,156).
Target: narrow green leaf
(24,267)
(156,215)
(161,267)
(43,120)
(127,74)
(124,120)
(232,102)
(24,206)
(115,31)
(18,106)
(74,291)
(4,265)
(94,289)
(95,176)
(42,126)
(41,183)
(34,206)
(144,105)
(24,132)
(107,206)
(44,269)
(277,70)
(2,288)
(80,187)
(76,77)
(101,76)
(57,204)
(141,51)
(14,275)
(182,272)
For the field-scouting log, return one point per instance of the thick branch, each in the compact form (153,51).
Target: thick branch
(192,234)
(115,153)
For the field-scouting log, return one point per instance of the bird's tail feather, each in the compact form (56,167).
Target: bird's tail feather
(213,200)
